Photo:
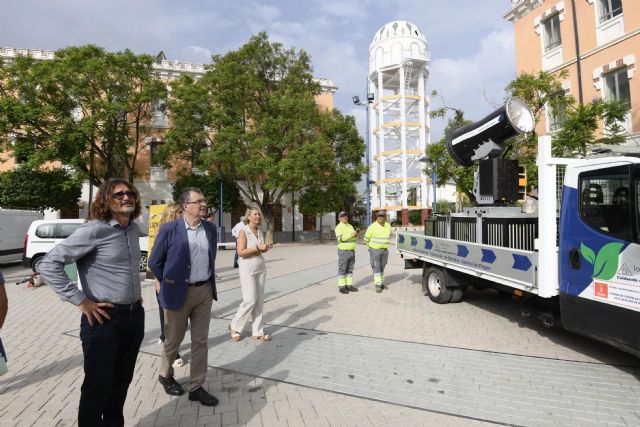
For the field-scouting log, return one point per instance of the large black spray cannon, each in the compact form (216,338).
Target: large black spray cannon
(496,181)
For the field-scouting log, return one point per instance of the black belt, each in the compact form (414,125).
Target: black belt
(127,307)
(196,284)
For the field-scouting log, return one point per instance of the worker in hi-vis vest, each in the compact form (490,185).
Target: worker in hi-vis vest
(377,238)
(347,237)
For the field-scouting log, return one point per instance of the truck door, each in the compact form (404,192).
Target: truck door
(599,256)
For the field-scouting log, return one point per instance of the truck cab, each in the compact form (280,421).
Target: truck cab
(599,250)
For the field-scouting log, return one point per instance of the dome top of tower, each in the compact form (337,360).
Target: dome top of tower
(398,29)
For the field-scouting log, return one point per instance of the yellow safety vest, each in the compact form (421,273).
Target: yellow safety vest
(377,236)
(343,233)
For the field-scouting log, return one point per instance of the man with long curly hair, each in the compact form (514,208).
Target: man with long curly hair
(106,251)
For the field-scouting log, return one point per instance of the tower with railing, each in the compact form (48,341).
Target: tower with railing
(399,122)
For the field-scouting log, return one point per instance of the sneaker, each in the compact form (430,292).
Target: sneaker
(160,341)
(351,288)
(378,288)
(343,290)
(383,286)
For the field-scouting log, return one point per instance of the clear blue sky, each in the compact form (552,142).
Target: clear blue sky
(471,44)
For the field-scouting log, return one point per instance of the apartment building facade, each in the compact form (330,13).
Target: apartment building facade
(155,181)
(596,41)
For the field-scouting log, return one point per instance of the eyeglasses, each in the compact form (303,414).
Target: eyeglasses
(120,195)
(198,202)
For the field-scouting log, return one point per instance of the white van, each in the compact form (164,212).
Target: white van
(43,235)
(14,224)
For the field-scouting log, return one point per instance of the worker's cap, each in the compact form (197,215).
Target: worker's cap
(341,214)
(382,213)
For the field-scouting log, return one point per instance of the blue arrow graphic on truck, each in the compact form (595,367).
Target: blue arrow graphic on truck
(428,244)
(521,262)
(488,256)
(414,241)
(463,251)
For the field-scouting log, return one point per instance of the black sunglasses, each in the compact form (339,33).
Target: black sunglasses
(120,195)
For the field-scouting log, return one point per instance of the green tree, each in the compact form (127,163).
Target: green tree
(579,123)
(39,189)
(335,190)
(86,108)
(255,111)
(540,91)
(439,160)
(447,170)
(210,186)
(579,129)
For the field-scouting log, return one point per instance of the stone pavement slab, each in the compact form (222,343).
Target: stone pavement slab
(476,359)
(487,386)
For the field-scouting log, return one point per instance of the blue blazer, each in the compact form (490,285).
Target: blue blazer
(170,261)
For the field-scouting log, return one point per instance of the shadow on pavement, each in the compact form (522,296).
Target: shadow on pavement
(243,385)
(13,384)
(492,301)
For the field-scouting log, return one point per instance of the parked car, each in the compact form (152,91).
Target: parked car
(14,223)
(44,234)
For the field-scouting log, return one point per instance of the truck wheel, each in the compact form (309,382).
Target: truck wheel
(437,287)
(456,294)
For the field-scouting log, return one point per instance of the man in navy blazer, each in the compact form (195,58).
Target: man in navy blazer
(183,260)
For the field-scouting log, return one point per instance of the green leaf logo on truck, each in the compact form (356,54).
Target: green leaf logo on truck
(605,263)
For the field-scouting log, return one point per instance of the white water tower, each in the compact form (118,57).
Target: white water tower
(399,122)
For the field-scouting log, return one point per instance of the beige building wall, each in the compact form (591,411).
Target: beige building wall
(603,47)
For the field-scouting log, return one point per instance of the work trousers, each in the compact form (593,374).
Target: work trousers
(378,259)
(197,310)
(110,351)
(346,261)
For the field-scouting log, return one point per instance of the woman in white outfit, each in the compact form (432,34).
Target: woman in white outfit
(253,273)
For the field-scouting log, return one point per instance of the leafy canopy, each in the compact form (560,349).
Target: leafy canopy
(580,127)
(39,189)
(253,118)
(86,108)
(210,186)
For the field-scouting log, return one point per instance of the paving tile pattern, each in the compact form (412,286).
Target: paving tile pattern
(389,359)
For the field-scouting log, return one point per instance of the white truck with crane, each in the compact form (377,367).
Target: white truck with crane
(574,262)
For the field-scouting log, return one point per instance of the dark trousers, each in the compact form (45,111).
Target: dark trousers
(110,353)
(235,258)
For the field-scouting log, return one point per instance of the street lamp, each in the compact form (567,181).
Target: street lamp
(434,178)
(356,100)
(221,236)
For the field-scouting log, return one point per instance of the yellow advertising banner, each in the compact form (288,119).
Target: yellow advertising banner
(155,213)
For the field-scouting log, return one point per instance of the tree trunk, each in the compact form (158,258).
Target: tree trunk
(268,219)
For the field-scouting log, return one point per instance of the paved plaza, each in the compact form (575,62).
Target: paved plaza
(366,359)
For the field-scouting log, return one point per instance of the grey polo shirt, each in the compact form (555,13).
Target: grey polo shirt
(199,251)
(108,258)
